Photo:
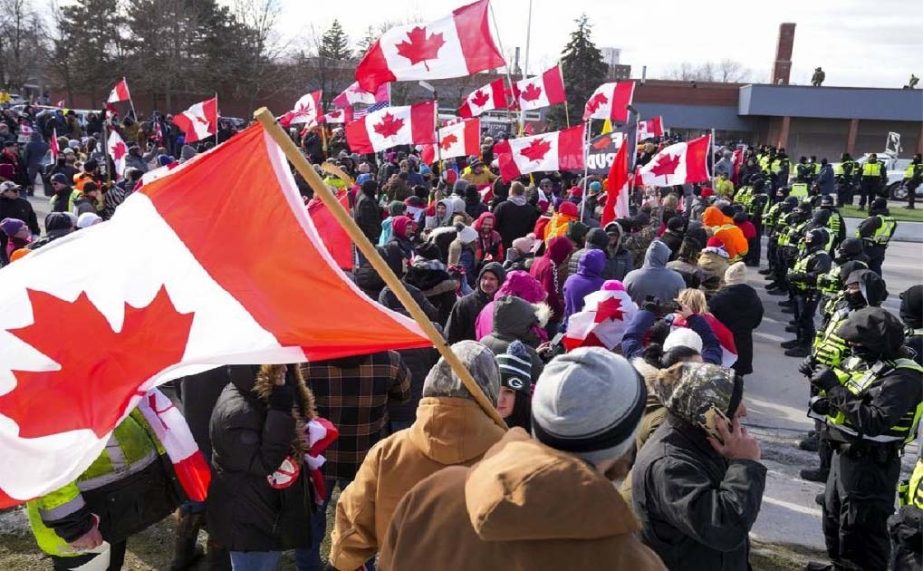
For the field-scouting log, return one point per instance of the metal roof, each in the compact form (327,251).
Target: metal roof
(831,102)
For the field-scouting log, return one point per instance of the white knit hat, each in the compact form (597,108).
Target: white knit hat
(683,337)
(735,274)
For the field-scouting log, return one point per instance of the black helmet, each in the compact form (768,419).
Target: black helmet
(826,200)
(878,205)
(849,248)
(816,238)
(793,200)
(821,217)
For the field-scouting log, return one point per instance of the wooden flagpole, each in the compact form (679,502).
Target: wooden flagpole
(509,77)
(267,120)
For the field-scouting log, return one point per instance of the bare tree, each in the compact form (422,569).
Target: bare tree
(730,71)
(23,43)
(725,71)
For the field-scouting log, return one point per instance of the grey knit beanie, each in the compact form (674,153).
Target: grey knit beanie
(588,402)
(478,359)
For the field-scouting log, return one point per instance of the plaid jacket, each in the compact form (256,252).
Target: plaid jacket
(353,393)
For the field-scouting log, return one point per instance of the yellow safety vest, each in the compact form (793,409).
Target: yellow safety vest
(829,348)
(884,232)
(799,190)
(871,169)
(911,493)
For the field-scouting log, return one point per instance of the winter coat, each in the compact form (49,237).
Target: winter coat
(551,272)
(515,219)
(250,441)
(509,512)
(518,283)
(368,217)
(715,262)
(21,209)
(436,285)
(514,319)
(673,240)
(487,248)
(730,235)
(696,507)
(739,308)
(587,280)
(825,181)
(35,151)
(464,314)
(448,431)
(654,279)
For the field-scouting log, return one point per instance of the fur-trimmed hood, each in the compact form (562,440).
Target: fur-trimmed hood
(262,385)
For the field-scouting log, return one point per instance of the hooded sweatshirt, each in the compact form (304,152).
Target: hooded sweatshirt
(551,273)
(654,279)
(589,278)
(466,311)
(515,319)
(509,512)
(724,228)
(488,246)
(518,283)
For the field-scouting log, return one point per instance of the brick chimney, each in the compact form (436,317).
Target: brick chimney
(782,69)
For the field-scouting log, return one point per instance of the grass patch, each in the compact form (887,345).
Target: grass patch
(898,212)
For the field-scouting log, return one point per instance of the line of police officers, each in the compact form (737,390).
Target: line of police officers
(863,363)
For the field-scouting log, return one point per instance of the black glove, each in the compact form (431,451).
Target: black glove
(795,276)
(650,305)
(282,398)
(825,379)
(806,367)
(822,406)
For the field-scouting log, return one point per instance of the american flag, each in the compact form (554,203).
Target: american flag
(371,108)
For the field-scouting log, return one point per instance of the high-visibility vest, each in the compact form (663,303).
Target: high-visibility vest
(857,377)
(801,267)
(911,493)
(871,170)
(799,190)
(829,348)
(884,232)
(815,168)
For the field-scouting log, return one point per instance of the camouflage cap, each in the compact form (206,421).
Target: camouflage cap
(699,392)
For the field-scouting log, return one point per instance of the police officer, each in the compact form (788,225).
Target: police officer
(844,174)
(786,246)
(912,316)
(848,258)
(755,208)
(876,231)
(913,177)
(803,171)
(803,281)
(835,224)
(906,526)
(871,181)
(871,406)
(773,225)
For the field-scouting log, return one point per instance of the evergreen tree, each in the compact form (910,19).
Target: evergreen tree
(368,39)
(334,44)
(92,46)
(584,71)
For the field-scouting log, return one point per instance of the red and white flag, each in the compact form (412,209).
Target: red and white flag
(724,335)
(53,144)
(488,98)
(610,101)
(682,163)
(338,116)
(540,91)
(618,188)
(157,132)
(307,111)
(167,301)
(460,139)
(60,103)
(650,128)
(556,151)
(409,125)
(334,236)
(118,150)
(355,94)
(199,121)
(119,92)
(458,45)
(602,322)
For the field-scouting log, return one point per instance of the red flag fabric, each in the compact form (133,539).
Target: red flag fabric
(307,111)
(540,91)
(118,150)
(409,125)
(168,301)
(355,94)
(488,98)
(460,139)
(724,335)
(682,163)
(53,144)
(199,121)
(556,151)
(454,46)
(338,116)
(602,322)
(650,128)
(331,233)
(119,92)
(617,195)
(610,101)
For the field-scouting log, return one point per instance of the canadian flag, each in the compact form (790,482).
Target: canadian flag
(650,128)
(167,301)
(409,125)
(610,101)
(335,237)
(118,150)
(682,163)
(307,110)
(723,334)
(556,151)
(491,96)
(119,92)
(618,183)
(355,94)
(53,144)
(338,116)
(540,91)
(602,322)
(457,140)
(199,121)
(458,45)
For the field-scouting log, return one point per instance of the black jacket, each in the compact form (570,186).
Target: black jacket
(739,308)
(514,221)
(17,208)
(368,217)
(695,507)
(463,317)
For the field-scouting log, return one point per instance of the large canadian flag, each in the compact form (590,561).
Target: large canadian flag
(488,98)
(118,150)
(119,92)
(199,121)
(682,163)
(602,322)
(167,300)
(650,128)
(460,139)
(618,188)
(556,151)
(307,110)
(540,91)
(355,94)
(610,101)
(409,125)
(458,45)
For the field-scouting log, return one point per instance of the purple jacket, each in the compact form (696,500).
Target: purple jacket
(589,278)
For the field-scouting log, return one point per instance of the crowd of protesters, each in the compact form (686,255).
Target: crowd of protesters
(630,454)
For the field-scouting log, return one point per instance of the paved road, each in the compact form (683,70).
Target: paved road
(776,399)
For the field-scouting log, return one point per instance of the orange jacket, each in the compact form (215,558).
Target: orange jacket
(724,228)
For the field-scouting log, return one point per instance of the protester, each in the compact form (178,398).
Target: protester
(366,213)
(551,272)
(520,255)
(515,216)
(516,320)
(721,223)
(429,276)
(738,306)
(587,279)
(523,286)
(514,402)
(654,280)
(57,225)
(461,322)
(14,207)
(715,260)
(395,209)
(489,244)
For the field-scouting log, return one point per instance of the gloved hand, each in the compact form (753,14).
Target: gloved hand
(822,406)
(806,367)
(825,379)
(282,398)
(795,276)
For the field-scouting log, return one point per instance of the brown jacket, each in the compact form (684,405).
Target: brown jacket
(524,506)
(448,431)
(654,415)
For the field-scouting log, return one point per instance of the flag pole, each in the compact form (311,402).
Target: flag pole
(586,165)
(321,191)
(217,119)
(566,111)
(509,77)
(131,102)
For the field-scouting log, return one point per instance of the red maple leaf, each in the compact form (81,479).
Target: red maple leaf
(118,151)
(536,150)
(389,125)
(100,369)
(609,309)
(448,141)
(419,48)
(593,104)
(665,165)
(335,114)
(531,92)
(602,143)
(202,120)
(479,98)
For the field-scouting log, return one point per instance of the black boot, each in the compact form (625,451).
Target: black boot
(786,303)
(218,558)
(818,566)
(787,309)
(813,475)
(791,328)
(765,272)
(800,350)
(186,550)
(791,343)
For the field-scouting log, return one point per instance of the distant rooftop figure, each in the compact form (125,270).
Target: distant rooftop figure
(818,78)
